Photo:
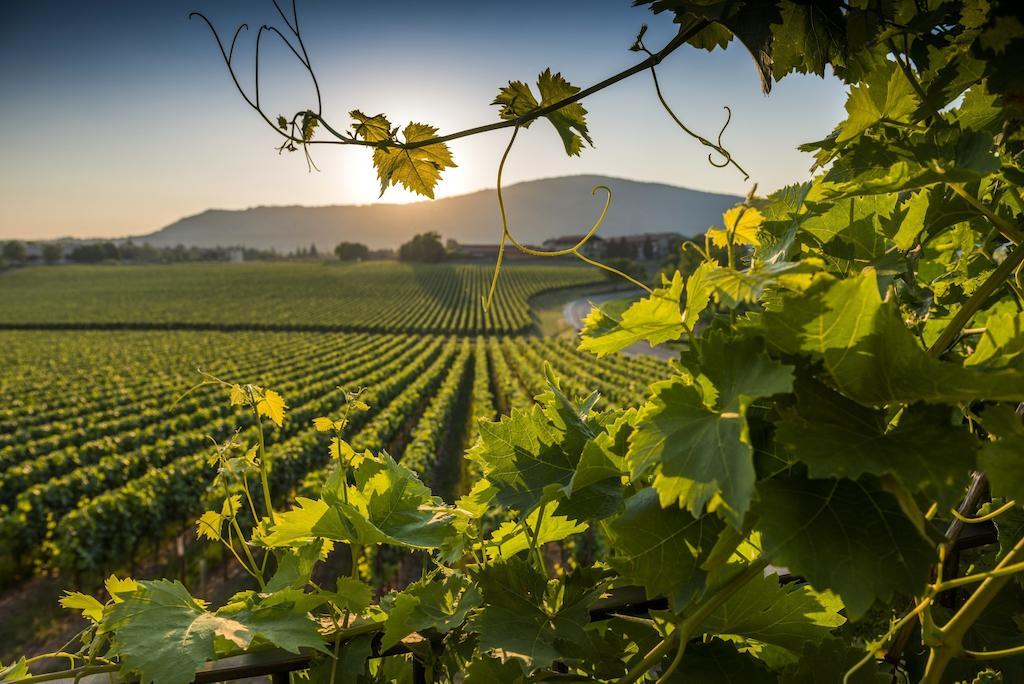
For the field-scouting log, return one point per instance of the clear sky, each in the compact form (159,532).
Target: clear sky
(118,116)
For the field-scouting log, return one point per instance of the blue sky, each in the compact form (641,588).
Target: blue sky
(118,117)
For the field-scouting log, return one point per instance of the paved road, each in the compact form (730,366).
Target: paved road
(577,310)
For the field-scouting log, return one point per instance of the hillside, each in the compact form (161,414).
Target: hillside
(537,210)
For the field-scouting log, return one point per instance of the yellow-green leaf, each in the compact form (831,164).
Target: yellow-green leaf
(90,607)
(116,586)
(371,128)
(272,406)
(743,223)
(323,424)
(209,525)
(417,169)
(238,395)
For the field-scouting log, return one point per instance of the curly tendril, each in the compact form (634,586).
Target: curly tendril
(506,235)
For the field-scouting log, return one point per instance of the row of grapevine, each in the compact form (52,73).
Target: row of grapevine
(372,296)
(66,498)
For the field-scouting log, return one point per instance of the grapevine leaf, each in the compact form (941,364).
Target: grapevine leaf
(511,538)
(885,94)
(441,606)
(388,503)
(655,319)
(1001,459)
(530,619)
(116,587)
(272,406)
(371,128)
(1002,342)
(698,292)
(698,444)
(279,619)
(165,635)
(741,223)
(16,670)
(785,616)
(846,536)
(837,437)
(660,549)
(294,566)
(716,661)
(418,169)
(516,100)
(89,605)
(531,455)
(829,661)
(870,354)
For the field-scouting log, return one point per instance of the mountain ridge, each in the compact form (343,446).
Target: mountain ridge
(537,209)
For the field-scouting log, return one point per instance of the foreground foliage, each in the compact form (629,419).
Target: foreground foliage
(854,362)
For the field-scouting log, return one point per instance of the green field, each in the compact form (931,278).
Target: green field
(383,296)
(98,463)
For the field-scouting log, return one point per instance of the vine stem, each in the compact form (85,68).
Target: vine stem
(678,41)
(977,300)
(951,635)
(688,627)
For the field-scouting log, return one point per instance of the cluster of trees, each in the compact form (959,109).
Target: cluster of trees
(426,247)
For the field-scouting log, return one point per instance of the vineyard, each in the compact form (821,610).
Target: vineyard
(99,465)
(366,297)
(825,483)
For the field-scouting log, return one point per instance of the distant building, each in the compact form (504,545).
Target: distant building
(645,246)
(236,255)
(460,251)
(594,247)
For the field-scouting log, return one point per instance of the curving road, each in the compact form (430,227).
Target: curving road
(575,311)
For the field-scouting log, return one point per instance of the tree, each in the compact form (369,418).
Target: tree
(96,252)
(312,250)
(53,252)
(426,247)
(351,251)
(14,250)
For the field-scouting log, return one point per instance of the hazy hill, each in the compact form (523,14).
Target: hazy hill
(537,210)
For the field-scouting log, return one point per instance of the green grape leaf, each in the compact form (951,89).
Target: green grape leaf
(510,538)
(351,594)
(655,319)
(533,620)
(294,566)
(837,437)
(531,455)
(699,444)
(870,354)
(429,604)
(660,549)
(828,662)
(1001,344)
(785,616)
(165,635)
(387,504)
(846,536)
(418,168)
(516,100)
(886,94)
(717,661)
(16,670)
(1001,459)
(279,619)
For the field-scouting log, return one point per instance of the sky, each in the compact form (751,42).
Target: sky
(118,117)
